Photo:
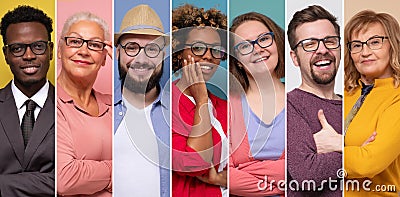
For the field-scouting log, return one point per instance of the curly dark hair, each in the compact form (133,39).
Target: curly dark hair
(25,13)
(186,16)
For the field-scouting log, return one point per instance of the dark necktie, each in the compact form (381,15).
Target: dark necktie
(28,120)
(365,90)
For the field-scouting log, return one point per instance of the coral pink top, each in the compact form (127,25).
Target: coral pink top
(245,172)
(84,149)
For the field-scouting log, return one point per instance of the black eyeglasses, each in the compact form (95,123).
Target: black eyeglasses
(312,44)
(246,47)
(374,43)
(132,49)
(19,49)
(78,42)
(201,48)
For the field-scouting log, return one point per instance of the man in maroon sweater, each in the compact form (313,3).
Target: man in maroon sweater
(314,143)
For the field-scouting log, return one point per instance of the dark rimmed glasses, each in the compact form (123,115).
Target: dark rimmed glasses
(19,49)
(132,49)
(201,48)
(312,44)
(264,40)
(93,45)
(374,43)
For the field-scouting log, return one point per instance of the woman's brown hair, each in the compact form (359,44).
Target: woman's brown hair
(279,35)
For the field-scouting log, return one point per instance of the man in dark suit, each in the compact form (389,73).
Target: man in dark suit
(27,106)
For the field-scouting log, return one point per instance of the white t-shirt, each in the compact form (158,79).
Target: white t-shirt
(136,159)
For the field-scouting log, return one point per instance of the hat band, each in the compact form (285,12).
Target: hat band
(136,27)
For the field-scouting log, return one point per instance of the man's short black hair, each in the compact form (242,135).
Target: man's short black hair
(25,13)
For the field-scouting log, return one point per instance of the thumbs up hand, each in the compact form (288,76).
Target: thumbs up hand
(327,139)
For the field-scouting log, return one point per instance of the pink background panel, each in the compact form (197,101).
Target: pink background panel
(103,9)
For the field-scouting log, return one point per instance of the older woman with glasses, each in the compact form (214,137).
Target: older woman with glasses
(84,120)
(257,100)
(199,118)
(372,100)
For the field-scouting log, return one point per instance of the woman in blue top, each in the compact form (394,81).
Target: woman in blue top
(257,101)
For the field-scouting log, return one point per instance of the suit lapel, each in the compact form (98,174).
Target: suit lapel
(43,124)
(10,120)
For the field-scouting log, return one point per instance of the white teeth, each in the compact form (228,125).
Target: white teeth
(206,67)
(261,59)
(322,62)
(30,69)
(142,69)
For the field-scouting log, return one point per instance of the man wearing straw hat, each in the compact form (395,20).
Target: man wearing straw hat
(141,122)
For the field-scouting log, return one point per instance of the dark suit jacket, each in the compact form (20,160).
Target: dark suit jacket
(28,172)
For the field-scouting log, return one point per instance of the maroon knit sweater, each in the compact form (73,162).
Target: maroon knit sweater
(303,161)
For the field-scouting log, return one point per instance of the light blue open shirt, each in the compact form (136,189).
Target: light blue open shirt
(160,119)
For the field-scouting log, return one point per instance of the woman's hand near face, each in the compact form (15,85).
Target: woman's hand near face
(200,138)
(194,78)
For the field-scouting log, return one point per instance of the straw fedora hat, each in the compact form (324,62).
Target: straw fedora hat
(141,19)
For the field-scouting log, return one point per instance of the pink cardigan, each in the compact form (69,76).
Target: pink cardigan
(245,172)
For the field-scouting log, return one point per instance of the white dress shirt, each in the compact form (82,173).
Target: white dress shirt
(20,98)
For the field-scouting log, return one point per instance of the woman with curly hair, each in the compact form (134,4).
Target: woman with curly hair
(199,121)
(372,100)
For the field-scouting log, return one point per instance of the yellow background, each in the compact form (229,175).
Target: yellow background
(48,7)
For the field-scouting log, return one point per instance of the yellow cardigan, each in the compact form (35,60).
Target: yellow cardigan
(379,161)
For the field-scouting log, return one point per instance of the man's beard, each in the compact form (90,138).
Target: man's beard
(325,78)
(140,87)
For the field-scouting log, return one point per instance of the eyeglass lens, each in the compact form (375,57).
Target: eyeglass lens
(19,49)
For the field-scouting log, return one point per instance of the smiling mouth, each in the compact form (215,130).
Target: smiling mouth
(261,59)
(81,62)
(30,69)
(141,68)
(206,67)
(322,63)
(367,61)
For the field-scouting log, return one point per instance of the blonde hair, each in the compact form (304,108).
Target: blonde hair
(360,22)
